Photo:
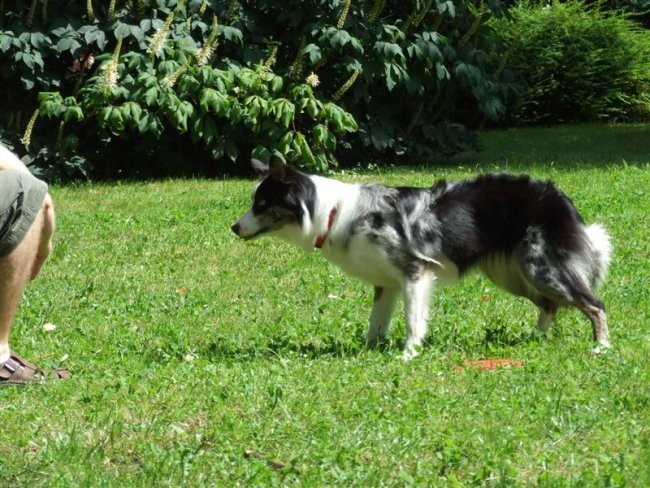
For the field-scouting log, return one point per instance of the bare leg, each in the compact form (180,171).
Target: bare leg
(382,311)
(45,240)
(19,267)
(417,294)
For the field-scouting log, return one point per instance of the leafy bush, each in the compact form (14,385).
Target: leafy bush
(577,63)
(178,85)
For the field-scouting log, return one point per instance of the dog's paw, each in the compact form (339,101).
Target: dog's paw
(411,352)
(601,348)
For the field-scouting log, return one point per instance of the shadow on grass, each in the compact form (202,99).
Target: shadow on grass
(502,336)
(281,346)
(354,345)
(565,146)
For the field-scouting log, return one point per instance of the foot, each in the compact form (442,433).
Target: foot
(602,347)
(411,351)
(17,371)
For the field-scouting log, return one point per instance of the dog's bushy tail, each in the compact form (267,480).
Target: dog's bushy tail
(601,245)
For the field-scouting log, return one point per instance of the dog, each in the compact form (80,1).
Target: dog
(524,234)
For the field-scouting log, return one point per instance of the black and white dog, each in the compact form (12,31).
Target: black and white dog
(524,234)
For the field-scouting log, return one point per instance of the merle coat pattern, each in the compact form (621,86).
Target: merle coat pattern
(524,234)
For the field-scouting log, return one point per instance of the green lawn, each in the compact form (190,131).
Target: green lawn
(201,360)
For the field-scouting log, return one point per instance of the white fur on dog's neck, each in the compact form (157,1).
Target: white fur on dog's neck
(329,194)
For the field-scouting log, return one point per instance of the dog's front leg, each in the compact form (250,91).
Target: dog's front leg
(417,294)
(382,311)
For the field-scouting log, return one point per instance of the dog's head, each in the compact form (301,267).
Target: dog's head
(283,201)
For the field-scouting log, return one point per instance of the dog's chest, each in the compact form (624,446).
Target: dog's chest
(364,260)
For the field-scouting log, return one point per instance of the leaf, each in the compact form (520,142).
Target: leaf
(210,130)
(391,82)
(206,99)
(256,105)
(38,60)
(348,122)
(276,84)
(73,114)
(98,37)
(303,148)
(167,67)
(320,133)
(65,44)
(27,82)
(143,123)
(151,96)
(38,40)
(232,34)
(133,110)
(28,59)
(262,153)
(313,107)
(388,49)
(137,33)
(340,38)
(50,103)
(356,45)
(313,51)
(442,72)
(285,142)
(122,31)
(62,31)
(5,42)
(116,119)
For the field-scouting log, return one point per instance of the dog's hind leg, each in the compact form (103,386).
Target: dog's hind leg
(595,312)
(382,311)
(547,311)
(558,283)
(417,294)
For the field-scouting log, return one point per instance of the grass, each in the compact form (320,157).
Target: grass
(200,360)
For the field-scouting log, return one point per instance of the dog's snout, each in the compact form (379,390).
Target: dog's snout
(235,228)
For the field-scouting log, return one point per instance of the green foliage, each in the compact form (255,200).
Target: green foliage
(577,63)
(197,81)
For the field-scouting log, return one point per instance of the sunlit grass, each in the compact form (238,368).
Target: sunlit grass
(201,360)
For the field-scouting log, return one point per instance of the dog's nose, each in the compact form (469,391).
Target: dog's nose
(235,228)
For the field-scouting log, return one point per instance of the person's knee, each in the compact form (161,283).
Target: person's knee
(44,225)
(49,223)
(48,208)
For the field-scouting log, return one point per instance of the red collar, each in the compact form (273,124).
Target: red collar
(320,240)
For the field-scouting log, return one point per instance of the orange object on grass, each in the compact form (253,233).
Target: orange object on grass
(490,364)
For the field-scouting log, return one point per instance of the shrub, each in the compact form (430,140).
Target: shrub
(577,63)
(178,85)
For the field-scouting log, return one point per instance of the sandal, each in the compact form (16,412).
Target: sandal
(17,371)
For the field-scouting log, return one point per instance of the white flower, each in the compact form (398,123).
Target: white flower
(49,327)
(313,79)
(111,76)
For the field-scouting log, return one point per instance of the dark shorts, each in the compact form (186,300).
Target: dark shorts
(21,197)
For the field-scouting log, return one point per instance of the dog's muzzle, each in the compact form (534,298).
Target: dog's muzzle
(240,231)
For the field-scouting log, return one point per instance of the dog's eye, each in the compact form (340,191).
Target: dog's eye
(261,203)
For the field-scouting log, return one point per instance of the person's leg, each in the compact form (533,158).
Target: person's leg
(18,267)
(45,239)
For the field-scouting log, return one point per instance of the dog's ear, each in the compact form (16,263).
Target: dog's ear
(259,167)
(277,168)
